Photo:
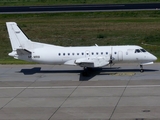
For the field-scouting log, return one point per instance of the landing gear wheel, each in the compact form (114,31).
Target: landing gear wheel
(141,66)
(85,71)
(141,70)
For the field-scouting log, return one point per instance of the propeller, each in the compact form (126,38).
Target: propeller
(111,59)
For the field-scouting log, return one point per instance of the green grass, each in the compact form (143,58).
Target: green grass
(81,29)
(65,2)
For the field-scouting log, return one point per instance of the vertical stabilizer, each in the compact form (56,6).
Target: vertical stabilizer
(17,38)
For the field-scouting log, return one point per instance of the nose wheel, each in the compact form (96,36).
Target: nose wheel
(141,70)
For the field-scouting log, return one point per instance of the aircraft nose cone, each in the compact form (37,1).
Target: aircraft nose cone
(154,58)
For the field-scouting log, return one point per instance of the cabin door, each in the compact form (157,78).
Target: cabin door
(120,56)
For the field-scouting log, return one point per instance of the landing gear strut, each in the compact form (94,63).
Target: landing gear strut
(141,70)
(85,71)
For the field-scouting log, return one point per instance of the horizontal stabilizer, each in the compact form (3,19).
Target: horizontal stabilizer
(23,52)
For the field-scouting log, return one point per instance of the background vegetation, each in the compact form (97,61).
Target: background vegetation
(65,2)
(83,29)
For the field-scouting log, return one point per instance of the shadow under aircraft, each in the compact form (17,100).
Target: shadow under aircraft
(84,76)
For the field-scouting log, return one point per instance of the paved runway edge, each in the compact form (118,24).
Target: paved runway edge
(79,8)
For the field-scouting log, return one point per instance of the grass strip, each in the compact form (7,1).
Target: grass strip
(68,2)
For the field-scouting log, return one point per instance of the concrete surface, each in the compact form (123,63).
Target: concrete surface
(46,92)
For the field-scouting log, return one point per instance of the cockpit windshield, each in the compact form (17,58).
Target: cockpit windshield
(140,50)
(143,50)
(137,51)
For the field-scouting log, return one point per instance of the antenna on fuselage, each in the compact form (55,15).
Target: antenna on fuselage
(96,45)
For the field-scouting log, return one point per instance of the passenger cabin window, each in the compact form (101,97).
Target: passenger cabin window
(92,53)
(106,53)
(137,51)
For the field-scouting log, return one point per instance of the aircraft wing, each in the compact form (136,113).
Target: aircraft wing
(92,62)
(70,62)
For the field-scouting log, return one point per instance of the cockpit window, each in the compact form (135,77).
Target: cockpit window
(143,50)
(137,51)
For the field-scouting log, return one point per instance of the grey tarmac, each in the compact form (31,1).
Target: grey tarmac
(52,92)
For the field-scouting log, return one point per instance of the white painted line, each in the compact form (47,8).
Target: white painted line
(47,87)
(73,87)
(123,86)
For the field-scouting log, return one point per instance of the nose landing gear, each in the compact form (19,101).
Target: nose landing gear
(141,70)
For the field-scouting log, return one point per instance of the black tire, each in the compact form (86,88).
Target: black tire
(141,70)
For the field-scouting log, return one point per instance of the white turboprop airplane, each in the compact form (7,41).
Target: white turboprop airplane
(86,57)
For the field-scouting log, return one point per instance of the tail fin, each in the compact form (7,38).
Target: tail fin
(17,38)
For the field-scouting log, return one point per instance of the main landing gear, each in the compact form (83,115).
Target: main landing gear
(86,71)
(141,70)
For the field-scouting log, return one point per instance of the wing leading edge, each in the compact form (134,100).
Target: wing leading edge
(92,62)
